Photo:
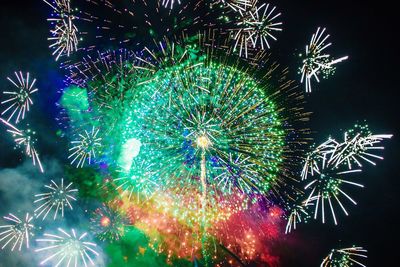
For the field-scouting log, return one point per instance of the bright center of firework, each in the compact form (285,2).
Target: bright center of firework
(203,142)
(105,221)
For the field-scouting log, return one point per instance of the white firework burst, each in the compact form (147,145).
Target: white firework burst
(327,188)
(67,249)
(65,33)
(25,138)
(17,232)
(19,101)
(345,257)
(58,197)
(85,148)
(316,61)
(359,145)
(256,27)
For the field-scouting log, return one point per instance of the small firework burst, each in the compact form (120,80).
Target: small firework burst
(345,257)
(64,35)
(108,224)
(19,100)
(27,139)
(316,61)
(17,232)
(255,27)
(330,161)
(58,197)
(327,185)
(69,249)
(359,145)
(85,148)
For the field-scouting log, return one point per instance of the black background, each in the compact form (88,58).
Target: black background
(364,88)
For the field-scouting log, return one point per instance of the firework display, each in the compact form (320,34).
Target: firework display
(316,62)
(17,233)
(183,142)
(345,257)
(58,197)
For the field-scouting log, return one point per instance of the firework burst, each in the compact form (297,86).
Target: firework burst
(191,132)
(17,232)
(64,35)
(69,249)
(359,144)
(255,27)
(85,148)
(297,214)
(108,224)
(19,101)
(58,197)
(316,61)
(27,139)
(327,186)
(345,257)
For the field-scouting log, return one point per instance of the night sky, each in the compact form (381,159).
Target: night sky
(365,87)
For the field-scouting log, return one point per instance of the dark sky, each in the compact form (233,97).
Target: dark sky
(364,88)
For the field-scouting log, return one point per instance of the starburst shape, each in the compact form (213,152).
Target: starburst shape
(316,61)
(17,232)
(85,148)
(19,100)
(57,198)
